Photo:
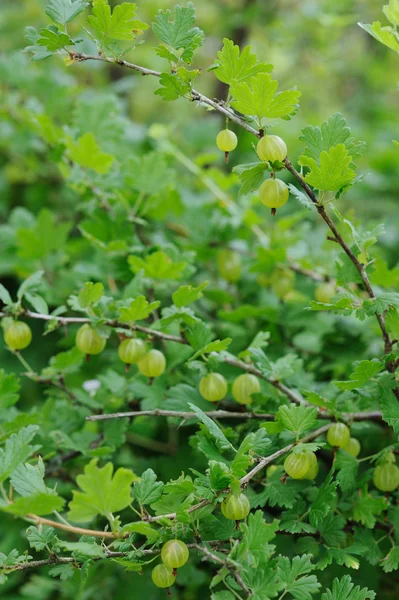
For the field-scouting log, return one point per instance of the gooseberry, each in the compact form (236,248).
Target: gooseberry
(89,341)
(235,507)
(213,387)
(18,335)
(325,291)
(297,465)
(273,193)
(386,477)
(352,447)
(152,364)
(282,282)
(162,576)
(131,350)
(338,435)
(229,265)
(244,386)
(174,554)
(313,469)
(271,148)
(226,140)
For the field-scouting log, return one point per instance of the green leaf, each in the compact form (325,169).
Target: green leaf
(40,504)
(232,65)
(120,25)
(177,84)
(297,419)
(385,35)
(102,492)
(28,479)
(391,561)
(296,578)
(333,172)
(251,176)
(148,490)
(347,468)
(254,548)
(176,30)
(343,589)
(4,295)
(42,538)
(258,98)
(142,529)
(17,450)
(83,549)
(364,371)
(277,493)
(367,508)
(187,294)
(215,431)
(53,39)
(390,409)
(391,11)
(323,502)
(219,475)
(29,284)
(215,346)
(87,154)
(63,11)
(157,265)
(37,242)
(9,389)
(149,173)
(90,294)
(332,132)
(138,310)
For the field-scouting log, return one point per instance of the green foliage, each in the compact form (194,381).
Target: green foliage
(116,208)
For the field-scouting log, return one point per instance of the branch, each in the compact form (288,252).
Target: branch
(339,239)
(226,562)
(71,528)
(225,414)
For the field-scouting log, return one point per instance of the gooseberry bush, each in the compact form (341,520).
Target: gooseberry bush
(219,408)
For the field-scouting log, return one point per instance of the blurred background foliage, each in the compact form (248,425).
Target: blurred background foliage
(315,45)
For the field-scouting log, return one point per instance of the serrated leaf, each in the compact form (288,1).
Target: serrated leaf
(138,310)
(385,35)
(17,450)
(297,419)
(176,30)
(333,172)
(118,25)
(251,176)
(258,97)
(221,440)
(364,371)
(86,152)
(321,506)
(29,284)
(63,11)
(367,508)
(296,578)
(215,346)
(149,173)
(343,589)
(254,548)
(231,64)
(102,492)
(41,538)
(157,265)
(53,39)
(390,409)
(148,490)
(187,294)
(9,389)
(219,475)
(90,294)
(347,468)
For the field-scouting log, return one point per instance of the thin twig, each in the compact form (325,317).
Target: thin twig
(225,562)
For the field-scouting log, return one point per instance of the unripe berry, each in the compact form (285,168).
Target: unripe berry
(352,447)
(213,387)
(153,364)
(282,282)
(235,508)
(244,386)
(162,576)
(226,140)
(271,469)
(297,465)
(131,350)
(18,335)
(338,435)
(174,554)
(386,477)
(313,469)
(89,341)
(325,291)
(271,148)
(229,265)
(273,193)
